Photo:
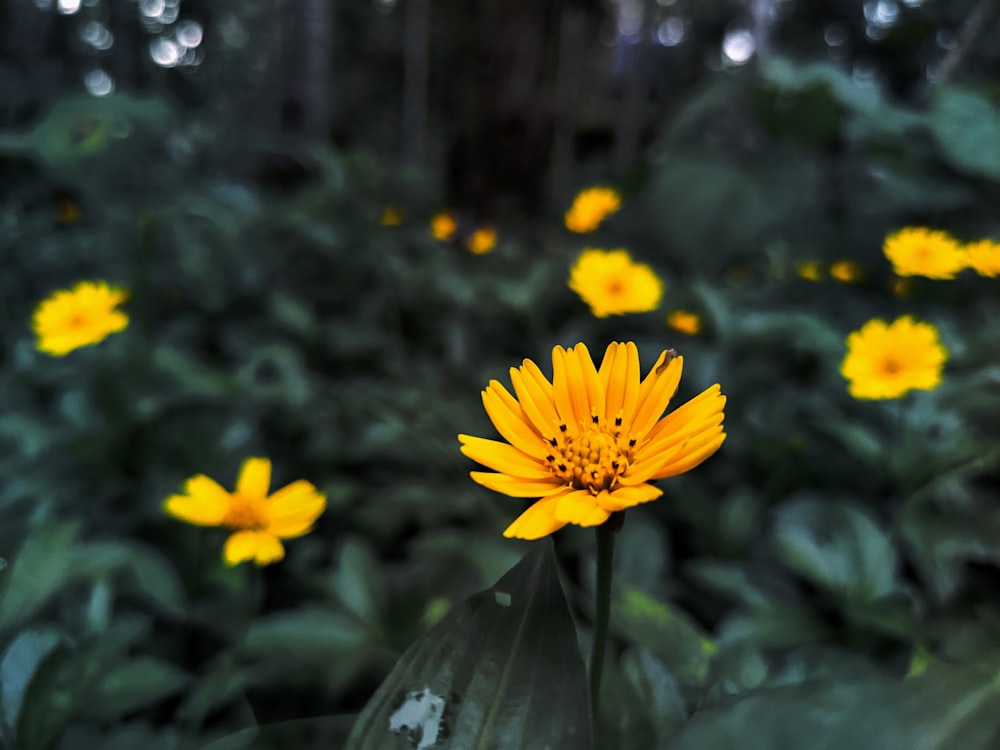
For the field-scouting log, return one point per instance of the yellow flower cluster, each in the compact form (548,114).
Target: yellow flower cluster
(888,360)
(589,442)
(919,251)
(611,283)
(73,318)
(591,207)
(259,521)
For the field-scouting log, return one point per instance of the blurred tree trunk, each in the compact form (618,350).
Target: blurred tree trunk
(415,74)
(316,23)
(636,87)
(572,59)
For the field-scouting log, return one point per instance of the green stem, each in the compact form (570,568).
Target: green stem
(605,558)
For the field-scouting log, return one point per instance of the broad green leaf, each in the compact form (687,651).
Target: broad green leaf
(44,564)
(356,582)
(18,665)
(501,671)
(146,571)
(837,547)
(967,127)
(132,685)
(666,631)
(942,709)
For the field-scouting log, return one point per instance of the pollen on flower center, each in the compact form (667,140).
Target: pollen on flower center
(891,366)
(591,460)
(244,513)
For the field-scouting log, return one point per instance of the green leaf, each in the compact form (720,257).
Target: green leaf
(18,666)
(837,547)
(150,574)
(134,684)
(666,631)
(501,671)
(967,127)
(356,582)
(942,709)
(44,564)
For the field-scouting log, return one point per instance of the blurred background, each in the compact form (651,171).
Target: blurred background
(261,176)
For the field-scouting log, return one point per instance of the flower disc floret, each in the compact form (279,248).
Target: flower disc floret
(918,251)
(589,442)
(259,521)
(888,360)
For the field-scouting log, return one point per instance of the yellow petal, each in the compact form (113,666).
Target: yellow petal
(570,413)
(539,409)
(709,401)
(503,458)
(515,486)
(662,382)
(621,498)
(260,546)
(594,389)
(622,381)
(581,508)
(195,510)
(292,510)
(537,521)
(692,457)
(255,478)
(510,420)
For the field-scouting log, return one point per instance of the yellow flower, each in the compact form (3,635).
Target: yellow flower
(590,208)
(84,315)
(613,284)
(444,226)
(984,257)
(260,521)
(889,360)
(848,271)
(589,443)
(684,321)
(482,241)
(810,270)
(917,251)
(391,217)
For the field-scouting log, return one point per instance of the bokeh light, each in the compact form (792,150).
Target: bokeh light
(738,46)
(98,82)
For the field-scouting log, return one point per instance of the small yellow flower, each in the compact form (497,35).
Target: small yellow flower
(613,284)
(848,271)
(684,321)
(984,257)
(482,241)
(84,315)
(392,216)
(259,521)
(591,207)
(917,251)
(810,270)
(443,226)
(590,442)
(886,361)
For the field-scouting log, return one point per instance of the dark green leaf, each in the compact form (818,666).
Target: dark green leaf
(502,670)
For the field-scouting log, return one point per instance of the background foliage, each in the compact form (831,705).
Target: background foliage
(829,579)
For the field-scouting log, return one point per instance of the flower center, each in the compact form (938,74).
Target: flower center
(891,366)
(244,513)
(593,459)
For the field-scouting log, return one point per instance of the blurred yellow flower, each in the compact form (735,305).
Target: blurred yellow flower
(591,207)
(984,257)
(589,443)
(392,216)
(444,226)
(684,321)
(889,360)
(918,251)
(482,241)
(260,521)
(810,270)
(613,284)
(848,271)
(73,318)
